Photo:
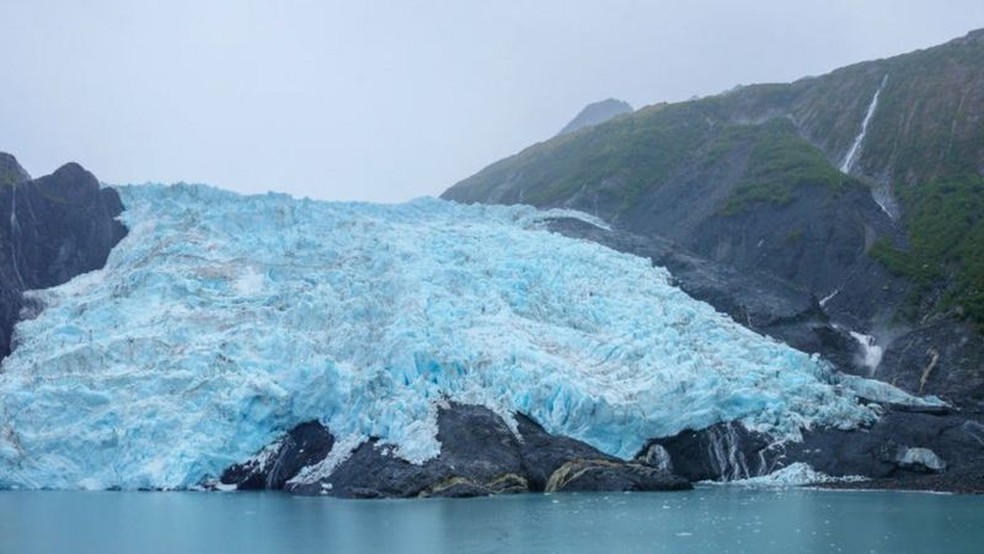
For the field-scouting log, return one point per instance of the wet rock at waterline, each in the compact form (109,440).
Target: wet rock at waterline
(901,450)
(480,455)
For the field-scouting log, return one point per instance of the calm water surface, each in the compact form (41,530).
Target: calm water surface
(710,519)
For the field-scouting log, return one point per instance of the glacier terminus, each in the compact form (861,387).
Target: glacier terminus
(221,321)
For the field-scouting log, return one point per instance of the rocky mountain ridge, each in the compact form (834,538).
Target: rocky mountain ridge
(860,188)
(55,227)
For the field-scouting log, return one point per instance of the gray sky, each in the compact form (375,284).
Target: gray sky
(386,101)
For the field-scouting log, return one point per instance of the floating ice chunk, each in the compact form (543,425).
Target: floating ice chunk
(796,474)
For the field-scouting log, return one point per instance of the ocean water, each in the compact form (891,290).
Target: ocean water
(709,519)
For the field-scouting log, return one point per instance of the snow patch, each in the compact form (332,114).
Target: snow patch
(923,457)
(879,391)
(340,451)
(563,213)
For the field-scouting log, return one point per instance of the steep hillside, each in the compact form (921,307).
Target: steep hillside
(862,187)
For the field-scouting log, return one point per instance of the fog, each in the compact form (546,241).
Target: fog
(386,101)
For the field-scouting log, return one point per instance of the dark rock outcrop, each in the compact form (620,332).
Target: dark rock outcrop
(903,449)
(900,445)
(54,228)
(479,456)
(944,358)
(721,452)
(304,445)
(757,300)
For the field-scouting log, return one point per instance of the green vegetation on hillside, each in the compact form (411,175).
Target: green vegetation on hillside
(755,147)
(630,155)
(926,138)
(636,152)
(779,161)
(945,225)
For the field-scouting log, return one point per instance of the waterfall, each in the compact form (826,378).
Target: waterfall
(724,453)
(658,457)
(871,352)
(733,453)
(14,235)
(828,298)
(852,153)
(882,195)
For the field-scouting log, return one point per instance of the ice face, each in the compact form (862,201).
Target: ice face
(222,320)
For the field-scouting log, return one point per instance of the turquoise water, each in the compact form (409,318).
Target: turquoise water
(710,519)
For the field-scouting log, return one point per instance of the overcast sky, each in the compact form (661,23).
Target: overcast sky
(386,101)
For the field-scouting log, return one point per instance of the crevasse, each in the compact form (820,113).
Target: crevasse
(222,320)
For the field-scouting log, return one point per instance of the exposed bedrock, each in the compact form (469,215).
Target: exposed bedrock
(756,300)
(941,357)
(903,449)
(51,229)
(304,445)
(480,455)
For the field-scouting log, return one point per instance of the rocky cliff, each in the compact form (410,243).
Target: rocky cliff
(53,228)
(480,455)
(861,188)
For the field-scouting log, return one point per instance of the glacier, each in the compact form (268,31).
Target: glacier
(223,320)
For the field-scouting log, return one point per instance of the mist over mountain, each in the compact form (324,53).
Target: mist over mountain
(595,114)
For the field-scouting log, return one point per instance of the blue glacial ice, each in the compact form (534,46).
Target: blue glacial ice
(223,320)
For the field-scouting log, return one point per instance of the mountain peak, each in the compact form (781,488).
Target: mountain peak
(596,114)
(11,172)
(974,37)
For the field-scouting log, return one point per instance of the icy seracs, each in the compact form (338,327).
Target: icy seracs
(223,320)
